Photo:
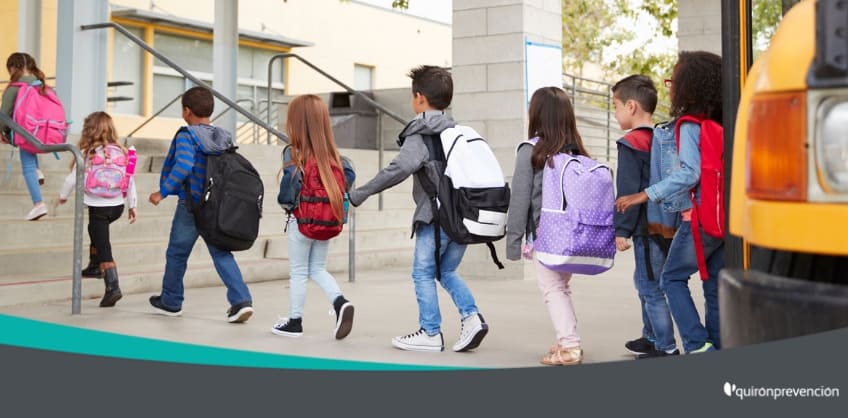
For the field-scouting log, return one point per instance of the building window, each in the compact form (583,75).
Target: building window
(127,65)
(363,77)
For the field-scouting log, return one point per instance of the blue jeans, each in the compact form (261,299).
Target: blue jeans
(183,236)
(424,277)
(29,165)
(681,264)
(308,258)
(656,317)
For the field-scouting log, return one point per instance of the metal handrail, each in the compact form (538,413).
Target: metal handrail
(229,108)
(186,74)
(153,116)
(76,286)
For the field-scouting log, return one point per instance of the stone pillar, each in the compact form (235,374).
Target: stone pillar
(490,88)
(81,59)
(225,59)
(29,28)
(699,25)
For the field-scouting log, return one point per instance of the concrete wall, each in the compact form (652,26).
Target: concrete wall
(490,88)
(699,25)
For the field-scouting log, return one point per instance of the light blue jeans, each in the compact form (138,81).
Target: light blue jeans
(183,236)
(424,277)
(308,259)
(29,165)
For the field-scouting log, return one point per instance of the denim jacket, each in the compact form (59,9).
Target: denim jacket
(680,171)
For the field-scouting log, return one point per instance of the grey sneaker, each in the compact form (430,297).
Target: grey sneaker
(420,341)
(474,328)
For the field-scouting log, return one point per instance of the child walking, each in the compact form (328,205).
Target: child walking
(104,197)
(311,136)
(432,91)
(635,99)
(22,68)
(552,121)
(695,90)
(184,165)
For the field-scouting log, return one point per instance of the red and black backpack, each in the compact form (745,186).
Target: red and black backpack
(315,217)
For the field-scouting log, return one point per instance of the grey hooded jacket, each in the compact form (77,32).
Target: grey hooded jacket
(412,157)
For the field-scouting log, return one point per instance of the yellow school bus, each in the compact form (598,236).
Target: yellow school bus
(786,152)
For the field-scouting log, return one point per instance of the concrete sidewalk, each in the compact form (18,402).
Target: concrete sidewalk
(520,329)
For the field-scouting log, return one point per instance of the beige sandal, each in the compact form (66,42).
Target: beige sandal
(561,356)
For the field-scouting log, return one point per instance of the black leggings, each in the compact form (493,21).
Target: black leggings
(99,219)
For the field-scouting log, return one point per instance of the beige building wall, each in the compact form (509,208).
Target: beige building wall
(344,33)
(699,25)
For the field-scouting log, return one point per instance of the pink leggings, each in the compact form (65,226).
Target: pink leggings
(557,296)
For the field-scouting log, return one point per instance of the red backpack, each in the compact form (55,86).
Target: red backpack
(315,217)
(709,213)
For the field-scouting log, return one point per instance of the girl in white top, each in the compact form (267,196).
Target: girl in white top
(98,141)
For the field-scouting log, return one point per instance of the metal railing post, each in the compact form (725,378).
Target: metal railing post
(76,282)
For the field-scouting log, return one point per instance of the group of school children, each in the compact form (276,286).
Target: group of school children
(664,260)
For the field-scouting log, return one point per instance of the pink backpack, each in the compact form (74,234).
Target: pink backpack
(106,172)
(41,115)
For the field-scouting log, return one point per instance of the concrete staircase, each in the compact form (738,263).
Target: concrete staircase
(37,257)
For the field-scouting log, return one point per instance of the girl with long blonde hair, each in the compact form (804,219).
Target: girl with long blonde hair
(311,138)
(99,142)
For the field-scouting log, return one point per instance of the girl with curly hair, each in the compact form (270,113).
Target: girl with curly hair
(695,89)
(99,140)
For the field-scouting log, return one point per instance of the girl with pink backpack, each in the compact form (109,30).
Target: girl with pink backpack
(109,169)
(24,73)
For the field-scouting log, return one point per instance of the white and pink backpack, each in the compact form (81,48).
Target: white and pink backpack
(108,171)
(42,115)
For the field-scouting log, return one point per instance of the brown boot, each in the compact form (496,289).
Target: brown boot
(110,277)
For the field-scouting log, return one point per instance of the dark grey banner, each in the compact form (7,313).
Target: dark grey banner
(804,376)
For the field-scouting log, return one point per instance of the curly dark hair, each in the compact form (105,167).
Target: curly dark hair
(696,85)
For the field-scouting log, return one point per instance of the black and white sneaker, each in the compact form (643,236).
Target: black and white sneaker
(658,353)
(472,330)
(344,317)
(240,313)
(639,346)
(289,327)
(162,309)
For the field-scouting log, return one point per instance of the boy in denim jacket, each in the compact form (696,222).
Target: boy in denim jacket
(635,99)
(432,91)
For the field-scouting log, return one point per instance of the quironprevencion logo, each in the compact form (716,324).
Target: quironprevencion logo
(731,390)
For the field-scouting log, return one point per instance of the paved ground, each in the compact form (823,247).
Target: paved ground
(607,311)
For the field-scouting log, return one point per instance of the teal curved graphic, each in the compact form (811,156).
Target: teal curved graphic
(22,332)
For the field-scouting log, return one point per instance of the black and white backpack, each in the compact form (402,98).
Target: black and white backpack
(471,198)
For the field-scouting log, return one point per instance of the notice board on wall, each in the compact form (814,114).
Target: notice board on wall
(543,66)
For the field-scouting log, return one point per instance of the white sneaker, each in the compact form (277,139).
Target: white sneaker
(37,212)
(474,328)
(420,341)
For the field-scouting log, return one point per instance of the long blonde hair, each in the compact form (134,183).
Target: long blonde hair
(98,130)
(311,136)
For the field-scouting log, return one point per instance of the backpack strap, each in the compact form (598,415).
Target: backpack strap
(436,153)
(696,223)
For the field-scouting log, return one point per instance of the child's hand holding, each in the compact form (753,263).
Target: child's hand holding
(132,215)
(622,244)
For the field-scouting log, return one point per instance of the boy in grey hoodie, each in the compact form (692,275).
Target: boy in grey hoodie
(432,91)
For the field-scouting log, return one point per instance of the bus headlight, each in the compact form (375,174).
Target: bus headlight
(832,145)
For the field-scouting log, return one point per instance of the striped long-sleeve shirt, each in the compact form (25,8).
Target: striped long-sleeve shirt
(185,161)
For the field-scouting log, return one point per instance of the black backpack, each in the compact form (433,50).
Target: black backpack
(231,203)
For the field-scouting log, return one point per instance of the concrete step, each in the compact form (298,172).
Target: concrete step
(58,259)
(41,289)
(155,226)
